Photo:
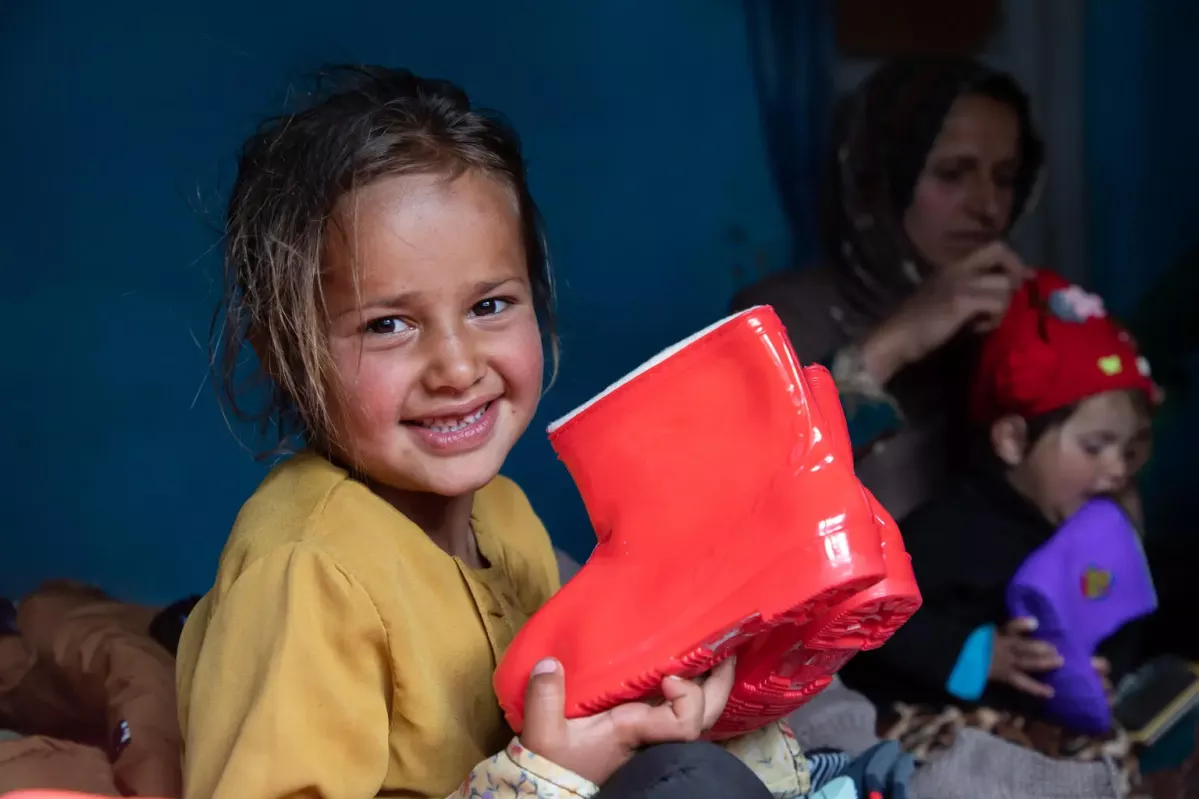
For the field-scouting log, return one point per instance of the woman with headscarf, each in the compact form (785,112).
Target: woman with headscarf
(935,161)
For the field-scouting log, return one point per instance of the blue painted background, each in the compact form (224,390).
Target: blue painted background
(119,127)
(118,134)
(1142,130)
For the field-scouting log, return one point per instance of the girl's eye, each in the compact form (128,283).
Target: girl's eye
(386,326)
(490,306)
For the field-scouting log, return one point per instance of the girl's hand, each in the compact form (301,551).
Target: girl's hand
(974,292)
(596,746)
(1015,658)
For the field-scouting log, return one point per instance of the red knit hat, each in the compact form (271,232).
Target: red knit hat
(1055,346)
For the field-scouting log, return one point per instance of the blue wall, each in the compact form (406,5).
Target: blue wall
(119,127)
(1141,131)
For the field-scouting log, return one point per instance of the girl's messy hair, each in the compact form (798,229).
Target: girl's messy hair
(363,123)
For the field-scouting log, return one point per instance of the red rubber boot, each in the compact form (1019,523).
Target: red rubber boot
(706,474)
(868,619)
(780,671)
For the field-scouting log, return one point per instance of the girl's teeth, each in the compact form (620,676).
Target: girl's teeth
(453,425)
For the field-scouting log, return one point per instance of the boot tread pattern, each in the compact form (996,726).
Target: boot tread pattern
(818,651)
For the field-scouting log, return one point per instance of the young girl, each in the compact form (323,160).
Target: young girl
(386,265)
(1062,397)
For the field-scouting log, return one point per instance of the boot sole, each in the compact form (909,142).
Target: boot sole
(704,657)
(701,656)
(800,660)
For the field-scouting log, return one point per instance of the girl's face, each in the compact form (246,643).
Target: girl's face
(437,353)
(1097,450)
(964,196)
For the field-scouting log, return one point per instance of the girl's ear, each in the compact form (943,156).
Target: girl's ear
(1009,439)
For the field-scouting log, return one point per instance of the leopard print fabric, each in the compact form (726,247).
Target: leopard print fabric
(924,731)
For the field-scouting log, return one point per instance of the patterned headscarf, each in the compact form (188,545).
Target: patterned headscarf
(882,137)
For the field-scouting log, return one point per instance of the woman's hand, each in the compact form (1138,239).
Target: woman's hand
(974,292)
(596,746)
(1015,658)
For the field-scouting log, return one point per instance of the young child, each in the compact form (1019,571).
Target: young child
(386,265)
(1062,398)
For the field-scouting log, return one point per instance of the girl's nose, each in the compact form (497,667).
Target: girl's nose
(454,364)
(1114,477)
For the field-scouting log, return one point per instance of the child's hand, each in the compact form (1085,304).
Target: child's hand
(1104,669)
(596,746)
(1130,500)
(1015,656)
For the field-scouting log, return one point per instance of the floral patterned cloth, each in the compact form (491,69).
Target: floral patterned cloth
(772,752)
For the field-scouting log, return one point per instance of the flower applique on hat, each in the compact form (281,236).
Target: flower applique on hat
(1076,304)
(1055,346)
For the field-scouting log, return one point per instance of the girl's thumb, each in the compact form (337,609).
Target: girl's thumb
(545,698)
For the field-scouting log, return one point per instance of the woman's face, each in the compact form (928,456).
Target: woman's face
(963,197)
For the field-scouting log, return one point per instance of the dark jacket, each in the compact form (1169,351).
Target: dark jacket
(965,548)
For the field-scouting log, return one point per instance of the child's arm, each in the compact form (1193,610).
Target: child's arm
(946,646)
(290,691)
(940,650)
(516,771)
(771,752)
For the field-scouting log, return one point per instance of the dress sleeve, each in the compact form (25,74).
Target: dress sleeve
(292,686)
(517,771)
(774,755)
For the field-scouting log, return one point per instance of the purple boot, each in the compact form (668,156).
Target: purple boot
(1081,586)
